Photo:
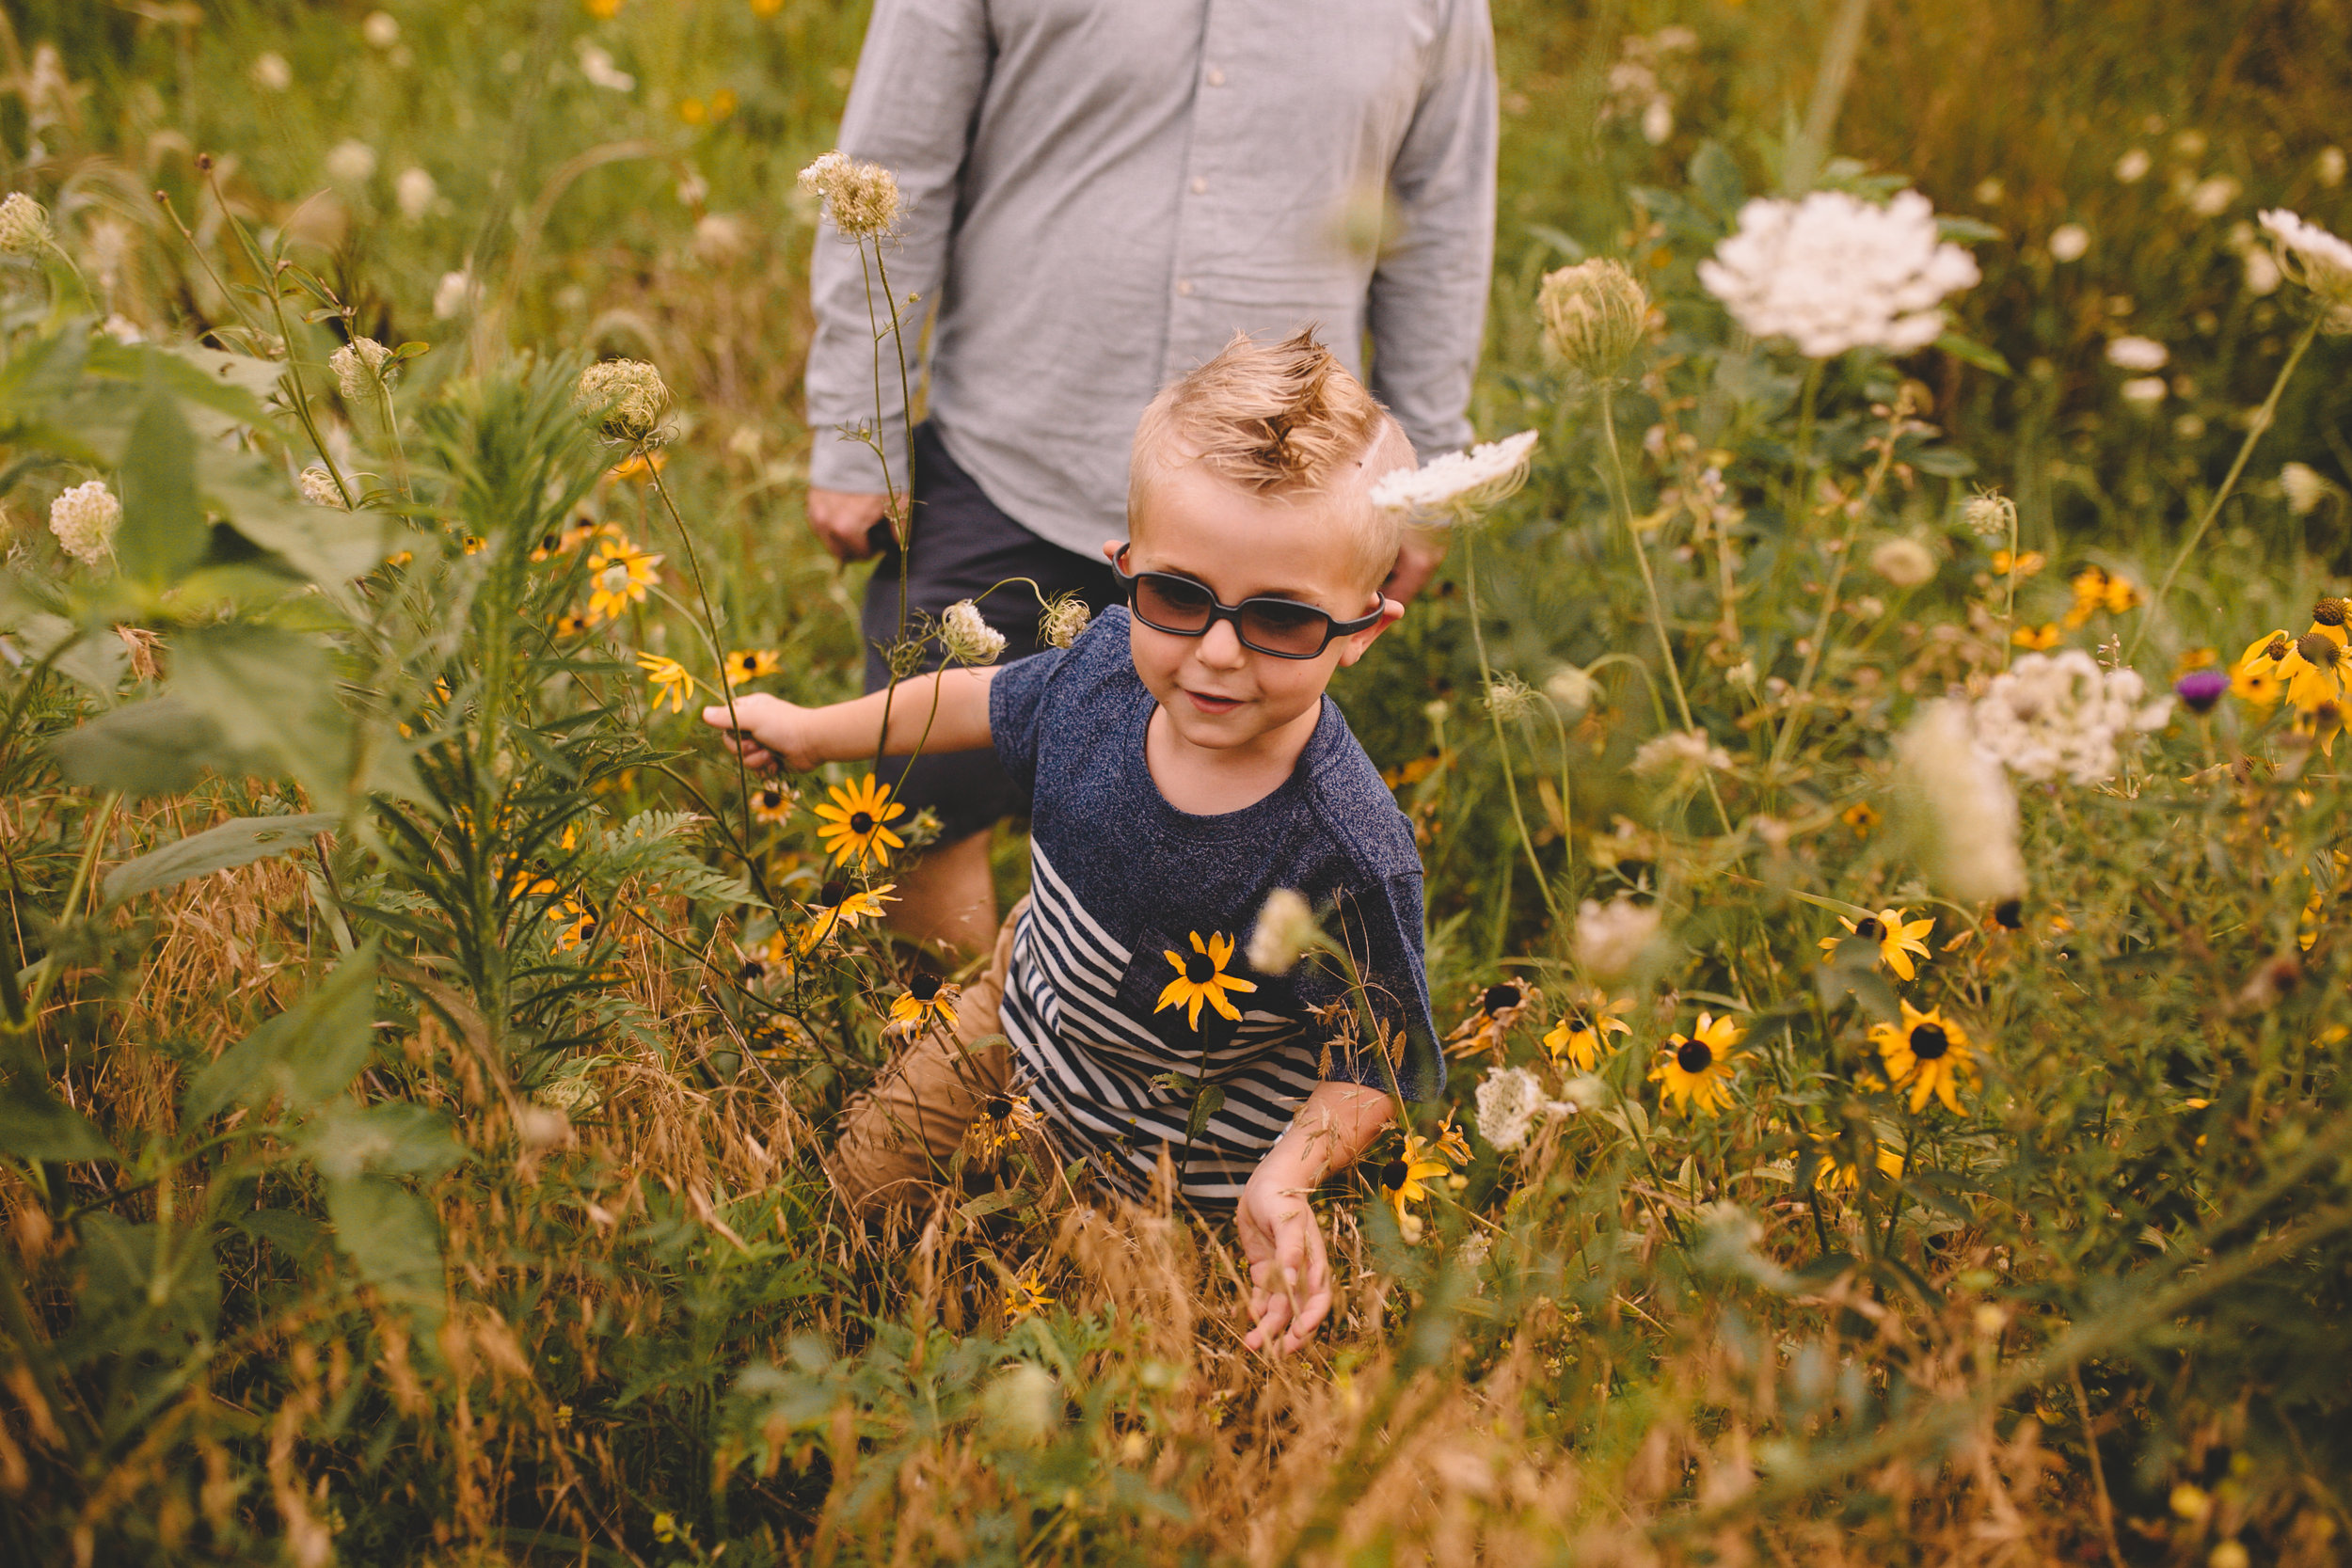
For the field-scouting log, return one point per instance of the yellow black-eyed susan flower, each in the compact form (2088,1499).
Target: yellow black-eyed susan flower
(1026,1297)
(926,1001)
(1200,978)
(1861,816)
(2038,639)
(618,575)
(2095,589)
(573,622)
(1927,1053)
(999,1122)
(1896,939)
(1697,1067)
(747,664)
(1835,1170)
(2023,564)
(1401,1182)
(1500,1005)
(837,906)
(575,924)
(669,680)
(564,540)
(856,821)
(1582,1034)
(772,802)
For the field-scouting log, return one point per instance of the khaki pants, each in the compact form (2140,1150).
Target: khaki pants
(897,1136)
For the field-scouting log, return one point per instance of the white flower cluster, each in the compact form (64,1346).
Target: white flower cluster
(1286,929)
(1510,1099)
(84,519)
(2318,260)
(1459,485)
(318,486)
(1063,621)
(2050,714)
(862,197)
(968,639)
(1966,811)
(1680,752)
(1610,938)
(1834,273)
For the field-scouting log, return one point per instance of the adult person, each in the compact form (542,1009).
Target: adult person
(1098,194)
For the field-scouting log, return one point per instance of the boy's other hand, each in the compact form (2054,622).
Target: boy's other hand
(765,732)
(1416,562)
(1289,1276)
(844,521)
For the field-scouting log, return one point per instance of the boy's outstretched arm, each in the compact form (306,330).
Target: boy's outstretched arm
(1290,1276)
(941,712)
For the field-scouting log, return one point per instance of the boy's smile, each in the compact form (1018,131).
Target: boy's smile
(1231,721)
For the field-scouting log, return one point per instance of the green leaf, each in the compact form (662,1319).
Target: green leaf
(1717,180)
(1210,1101)
(157,747)
(993,1203)
(1969,351)
(147,1287)
(1942,462)
(36,1125)
(235,843)
(322,545)
(272,694)
(309,1052)
(97,662)
(397,1135)
(390,1234)
(164,532)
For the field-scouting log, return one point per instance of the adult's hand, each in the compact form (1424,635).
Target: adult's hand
(1416,564)
(844,521)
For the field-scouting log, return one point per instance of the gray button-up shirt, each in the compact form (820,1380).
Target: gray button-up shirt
(1099,193)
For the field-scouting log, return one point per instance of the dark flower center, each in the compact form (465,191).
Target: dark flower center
(924,986)
(861,823)
(1695,1056)
(1929,1042)
(750,663)
(1499,997)
(2010,912)
(831,894)
(1870,930)
(751,972)
(550,540)
(1578,1024)
(2330,613)
(2277,647)
(771,799)
(1198,968)
(1392,1175)
(996,1107)
(2318,649)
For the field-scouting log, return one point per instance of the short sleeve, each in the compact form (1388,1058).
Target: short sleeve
(1016,707)
(1380,926)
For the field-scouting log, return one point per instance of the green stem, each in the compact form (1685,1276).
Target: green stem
(1800,696)
(2255,429)
(50,966)
(1502,742)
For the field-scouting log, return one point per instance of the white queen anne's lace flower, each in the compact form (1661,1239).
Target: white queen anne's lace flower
(1833,273)
(1459,485)
(2052,714)
(23,225)
(1612,938)
(969,639)
(2318,260)
(2137,353)
(361,367)
(862,197)
(1679,751)
(1966,813)
(1510,1099)
(1285,929)
(84,519)
(318,486)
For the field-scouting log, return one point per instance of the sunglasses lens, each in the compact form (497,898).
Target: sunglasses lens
(1173,603)
(1275,626)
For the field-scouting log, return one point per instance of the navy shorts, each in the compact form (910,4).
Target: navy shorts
(964,545)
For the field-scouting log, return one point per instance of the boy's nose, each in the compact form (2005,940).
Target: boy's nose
(1220,646)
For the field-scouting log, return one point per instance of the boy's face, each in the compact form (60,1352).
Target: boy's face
(1219,695)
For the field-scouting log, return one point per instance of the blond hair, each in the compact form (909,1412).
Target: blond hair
(1280,420)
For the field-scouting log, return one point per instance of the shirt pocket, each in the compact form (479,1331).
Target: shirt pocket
(1168,974)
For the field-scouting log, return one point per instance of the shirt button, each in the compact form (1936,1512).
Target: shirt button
(1200,187)
(1183,286)
(1217,77)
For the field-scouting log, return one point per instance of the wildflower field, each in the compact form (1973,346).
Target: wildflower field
(1871,746)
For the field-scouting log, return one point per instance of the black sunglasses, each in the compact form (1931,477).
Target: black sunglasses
(1284,629)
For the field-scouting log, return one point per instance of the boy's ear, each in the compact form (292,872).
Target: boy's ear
(1355,646)
(1111,548)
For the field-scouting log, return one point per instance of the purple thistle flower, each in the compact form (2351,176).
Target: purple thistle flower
(2200,689)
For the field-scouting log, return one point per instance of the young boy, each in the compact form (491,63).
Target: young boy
(1184,763)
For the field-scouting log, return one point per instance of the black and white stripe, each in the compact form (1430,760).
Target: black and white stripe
(1087,1062)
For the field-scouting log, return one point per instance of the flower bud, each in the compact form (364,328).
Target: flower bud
(1572,690)
(1989,514)
(862,197)
(1594,314)
(1063,620)
(968,639)
(627,399)
(25,226)
(361,367)
(318,487)
(1904,562)
(84,519)
(1286,929)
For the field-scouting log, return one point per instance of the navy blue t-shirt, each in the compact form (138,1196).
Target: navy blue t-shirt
(1122,880)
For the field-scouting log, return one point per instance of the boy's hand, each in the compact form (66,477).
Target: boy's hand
(1290,1277)
(765,732)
